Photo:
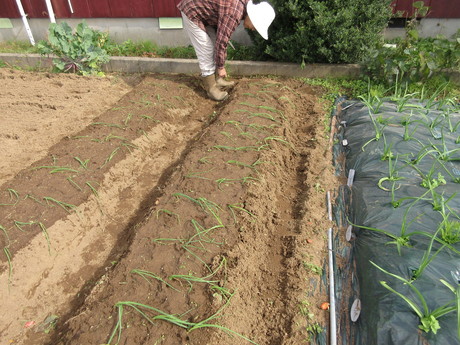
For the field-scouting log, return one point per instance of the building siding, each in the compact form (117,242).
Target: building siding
(438,8)
(167,8)
(93,8)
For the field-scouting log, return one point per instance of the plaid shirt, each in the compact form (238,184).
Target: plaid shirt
(226,15)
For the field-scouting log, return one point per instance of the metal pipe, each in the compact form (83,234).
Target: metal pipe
(49,6)
(70,6)
(25,22)
(332,316)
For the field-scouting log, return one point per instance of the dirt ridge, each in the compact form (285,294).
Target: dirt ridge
(182,187)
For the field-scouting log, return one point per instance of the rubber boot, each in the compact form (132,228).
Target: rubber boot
(212,90)
(221,82)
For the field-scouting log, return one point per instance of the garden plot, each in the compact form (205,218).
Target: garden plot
(171,219)
(405,212)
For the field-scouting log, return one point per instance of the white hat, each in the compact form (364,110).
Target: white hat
(261,15)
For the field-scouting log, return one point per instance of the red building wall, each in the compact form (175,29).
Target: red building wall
(438,8)
(93,8)
(167,8)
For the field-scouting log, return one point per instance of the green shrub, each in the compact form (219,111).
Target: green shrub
(324,31)
(412,59)
(80,52)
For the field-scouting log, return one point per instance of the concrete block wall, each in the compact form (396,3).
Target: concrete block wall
(119,29)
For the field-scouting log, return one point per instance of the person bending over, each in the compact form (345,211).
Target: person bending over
(209,25)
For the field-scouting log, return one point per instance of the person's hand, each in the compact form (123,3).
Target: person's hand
(221,72)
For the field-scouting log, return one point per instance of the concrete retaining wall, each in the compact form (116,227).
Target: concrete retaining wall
(190,66)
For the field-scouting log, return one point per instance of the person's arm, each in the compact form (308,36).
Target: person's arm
(225,28)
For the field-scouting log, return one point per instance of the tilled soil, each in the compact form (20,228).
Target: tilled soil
(163,217)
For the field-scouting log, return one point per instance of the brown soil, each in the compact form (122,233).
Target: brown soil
(119,189)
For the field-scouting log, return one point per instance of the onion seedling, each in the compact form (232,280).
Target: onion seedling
(208,206)
(7,253)
(372,101)
(30,196)
(56,169)
(277,139)
(146,275)
(242,180)
(109,158)
(228,135)
(392,174)
(170,213)
(198,174)
(93,190)
(73,183)
(454,174)
(443,153)
(400,241)
(449,229)
(403,240)
(241,148)
(239,207)
(456,290)
(452,128)
(379,124)
(409,134)
(266,116)
(427,257)
(107,125)
(190,278)
(13,194)
(83,163)
(6,235)
(143,310)
(387,153)
(67,207)
(19,225)
(428,318)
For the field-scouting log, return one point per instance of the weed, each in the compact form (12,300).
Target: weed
(313,268)
(81,51)
(314,330)
(372,100)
